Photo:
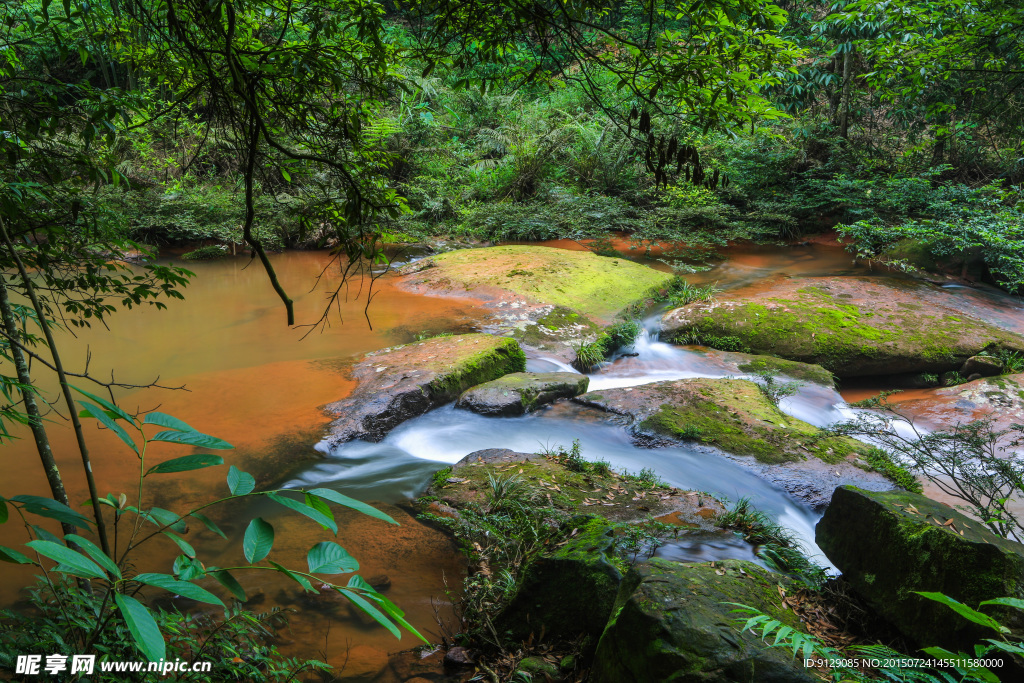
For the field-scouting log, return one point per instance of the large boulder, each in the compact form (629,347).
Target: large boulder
(403,382)
(999,399)
(890,544)
(568,592)
(522,392)
(673,622)
(853,326)
(735,416)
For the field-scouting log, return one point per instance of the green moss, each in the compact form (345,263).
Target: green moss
(208,253)
(478,366)
(735,416)
(803,371)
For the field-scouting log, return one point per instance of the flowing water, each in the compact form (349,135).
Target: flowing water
(258,384)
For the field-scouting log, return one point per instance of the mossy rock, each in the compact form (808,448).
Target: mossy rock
(208,253)
(522,392)
(850,326)
(890,544)
(403,382)
(731,414)
(672,622)
(806,372)
(568,592)
(595,286)
(556,328)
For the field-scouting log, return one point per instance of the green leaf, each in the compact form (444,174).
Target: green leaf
(48,507)
(208,523)
(1007,602)
(13,556)
(95,553)
(99,414)
(106,404)
(297,578)
(171,520)
(181,543)
(314,514)
(328,557)
(223,576)
(186,463)
(164,420)
(965,611)
(193,439)
(366,607)
(142,626)
(182,588)
(258,540)
(81,564)
(4,513)
(240,483)
(358,505)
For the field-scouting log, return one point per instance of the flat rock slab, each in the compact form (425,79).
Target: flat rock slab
(734,416)
(549,299)
(521,392)
(890,544)
(853,326)
(672,622)
(1000,399)
(403,382)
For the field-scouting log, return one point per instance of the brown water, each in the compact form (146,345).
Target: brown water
(258,384)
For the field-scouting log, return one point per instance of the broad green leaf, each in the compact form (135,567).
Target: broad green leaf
(182,588)
(965,611)
(240,483)
(297,578)
(979,673)
(1007,602)
(208,523)
(106,404)
(171,520)
(82,565)
(192,439)
(358,505)
(181,543)
(13,556)
(368,608)
(314,514)
(100,415)
(188,568)
(188,462)
(258,540)
(223,576)
(4,513)
(165,420)
(48,507)
(328,557)
(142,626)
(95,553)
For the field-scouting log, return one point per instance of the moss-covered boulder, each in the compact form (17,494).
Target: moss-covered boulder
(671,622)
(805,372)
(735,416)
(522,392)
(568,592)
(889,545)
(402,382)
(850,326)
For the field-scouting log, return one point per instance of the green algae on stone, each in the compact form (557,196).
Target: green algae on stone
(850,326)
(802,371)
(522,392)
(672,621)
(595,286)
(890,544)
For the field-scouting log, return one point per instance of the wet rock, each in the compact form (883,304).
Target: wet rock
(458,658)
(984,366)
(734,415)
(672,623)
(380,582)
(522,392)
(569,591)
(890,544)
(799,371)
(439,509)
(999,399)
(494,456)
(403,382)
(850,326)
(364,661)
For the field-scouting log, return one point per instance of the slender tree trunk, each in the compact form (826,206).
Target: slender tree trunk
(35,419)
(83,449)
(844,114)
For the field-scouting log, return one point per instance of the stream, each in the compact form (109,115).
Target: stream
(259,385)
